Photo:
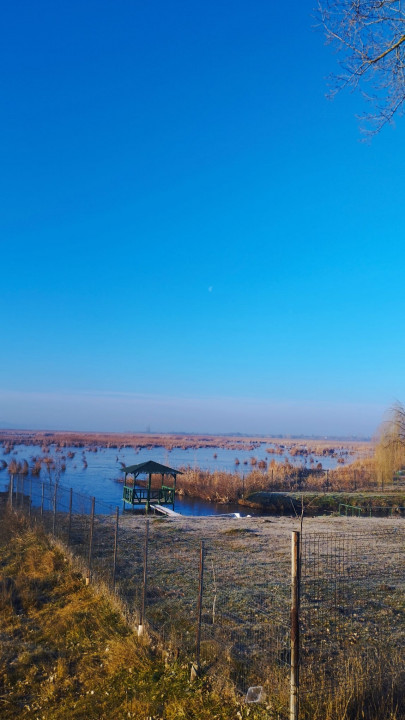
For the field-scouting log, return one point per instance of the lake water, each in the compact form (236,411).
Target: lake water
(99,478)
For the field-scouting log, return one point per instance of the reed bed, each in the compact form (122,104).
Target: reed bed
(224,487)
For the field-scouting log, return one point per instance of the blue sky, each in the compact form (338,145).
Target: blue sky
(192,237)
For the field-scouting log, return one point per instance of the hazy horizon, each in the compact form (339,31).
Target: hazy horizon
(125,412)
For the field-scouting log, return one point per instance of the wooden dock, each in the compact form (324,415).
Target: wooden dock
(165,510)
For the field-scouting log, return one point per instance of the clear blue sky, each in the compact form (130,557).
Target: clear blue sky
(192,237)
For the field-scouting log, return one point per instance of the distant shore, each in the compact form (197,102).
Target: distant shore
(170,441)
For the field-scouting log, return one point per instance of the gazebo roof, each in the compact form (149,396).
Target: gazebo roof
(150,467)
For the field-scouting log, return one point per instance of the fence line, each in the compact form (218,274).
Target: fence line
(250,618)
(370,510)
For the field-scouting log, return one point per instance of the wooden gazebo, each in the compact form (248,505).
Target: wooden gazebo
(144,495)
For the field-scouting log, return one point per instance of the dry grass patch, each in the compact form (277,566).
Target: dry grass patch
(67,652)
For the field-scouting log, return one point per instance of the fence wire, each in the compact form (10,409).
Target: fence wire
(224,603)
(352,608)
(245,618)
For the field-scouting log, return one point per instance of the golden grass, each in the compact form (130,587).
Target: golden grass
(66,652)
(220,486)
(377,695)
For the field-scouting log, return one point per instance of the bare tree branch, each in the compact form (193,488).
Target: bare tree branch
(370,38)
(388,50)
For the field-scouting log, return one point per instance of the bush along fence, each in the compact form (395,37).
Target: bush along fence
(313,626)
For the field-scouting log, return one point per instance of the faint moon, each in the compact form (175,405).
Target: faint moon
(210,288)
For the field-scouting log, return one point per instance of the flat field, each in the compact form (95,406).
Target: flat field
(352,601)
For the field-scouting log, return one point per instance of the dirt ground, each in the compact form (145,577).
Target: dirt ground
(280,528)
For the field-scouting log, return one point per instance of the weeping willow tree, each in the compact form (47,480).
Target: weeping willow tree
(390,450)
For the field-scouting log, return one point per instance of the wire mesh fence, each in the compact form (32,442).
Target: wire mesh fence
(352,609)
(224,602)
(245,611)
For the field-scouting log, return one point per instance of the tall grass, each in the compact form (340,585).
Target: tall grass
(376,692)
(220,486)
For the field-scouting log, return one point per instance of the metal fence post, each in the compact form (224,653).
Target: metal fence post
(42,499)
(117,515)
(30,499)
(141,626)
(88,578)
(11,491)
(195,668)
(70,515)
(54,510)
(295,630)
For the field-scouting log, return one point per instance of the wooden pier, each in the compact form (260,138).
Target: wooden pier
(165,510)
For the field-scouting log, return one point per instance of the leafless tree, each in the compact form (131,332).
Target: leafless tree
(370,38)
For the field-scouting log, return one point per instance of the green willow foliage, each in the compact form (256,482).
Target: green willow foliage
(390,450)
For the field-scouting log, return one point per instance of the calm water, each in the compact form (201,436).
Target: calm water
(104,467)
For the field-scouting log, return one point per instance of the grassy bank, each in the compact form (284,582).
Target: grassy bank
(67,652)
(279,503)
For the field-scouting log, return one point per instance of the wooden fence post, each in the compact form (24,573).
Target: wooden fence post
(54,510)
(295,629)
(11,491)
(42,499)
(141,626)
(70,514)
(195,668)
(88,578)
(117,516)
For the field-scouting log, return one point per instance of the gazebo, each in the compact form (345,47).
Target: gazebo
(144,495)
